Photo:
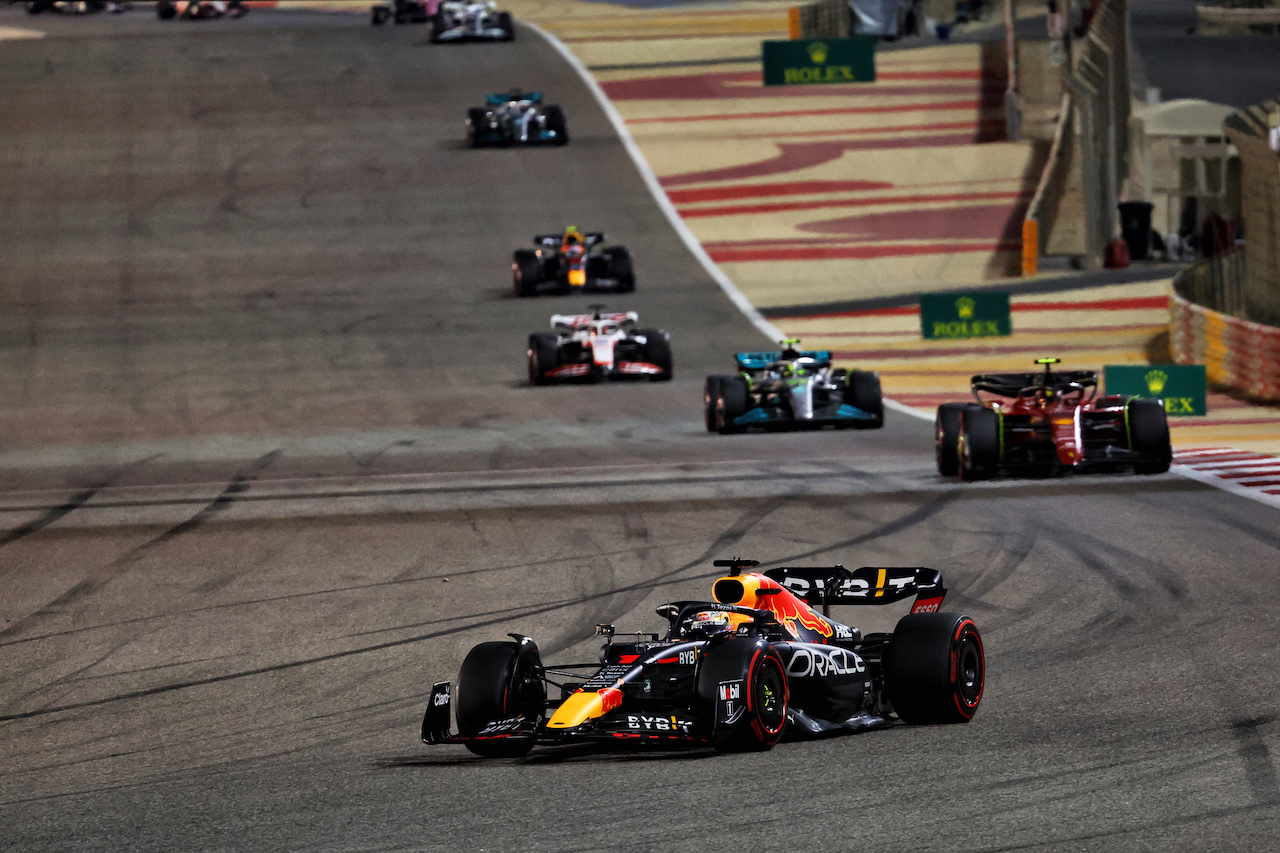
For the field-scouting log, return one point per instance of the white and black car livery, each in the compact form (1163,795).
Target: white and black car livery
(458,20)
(597,346)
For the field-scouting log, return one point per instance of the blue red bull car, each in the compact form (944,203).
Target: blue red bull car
(735,673)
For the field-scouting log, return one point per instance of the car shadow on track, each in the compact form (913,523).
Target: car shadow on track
(548,755)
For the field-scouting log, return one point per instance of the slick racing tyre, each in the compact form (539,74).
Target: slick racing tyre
(498,682)
(731,402)
(711,399)
(979,445)
(618,260)
(477,127)
(526,272)
(657,351)
(166,11)
(946,437)
(934,668)
(380,15)
(543,355)
(752,713)
(438,26)
(1149,435)
(864,393)
(507,25)
(557,124)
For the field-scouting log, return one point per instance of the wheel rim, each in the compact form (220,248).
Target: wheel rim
(969,671)
(771,698)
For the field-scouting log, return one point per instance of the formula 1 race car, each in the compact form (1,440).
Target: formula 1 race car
(596,346)
(200,10)
(75,7)
(404,11)
(516,117)
(467,20)
(733,674)
(572,261)
(1043,424)
(791,388)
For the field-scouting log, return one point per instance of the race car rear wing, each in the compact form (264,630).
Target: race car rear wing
(589,238)
(761,360)
(827,585)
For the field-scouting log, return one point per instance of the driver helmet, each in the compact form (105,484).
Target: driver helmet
(571,235)
(714,622)
(789,349)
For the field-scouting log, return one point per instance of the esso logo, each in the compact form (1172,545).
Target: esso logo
(926,607)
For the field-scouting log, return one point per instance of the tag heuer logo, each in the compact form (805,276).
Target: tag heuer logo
(817,52)
(1155,381)
(964,307)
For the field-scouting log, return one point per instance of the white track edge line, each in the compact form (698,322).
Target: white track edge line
(1252,493)
(668,209)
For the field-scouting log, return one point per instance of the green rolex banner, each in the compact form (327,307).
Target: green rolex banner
(982,314)
(804,62)
(1181,386)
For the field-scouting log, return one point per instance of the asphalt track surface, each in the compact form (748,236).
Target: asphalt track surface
(270,469)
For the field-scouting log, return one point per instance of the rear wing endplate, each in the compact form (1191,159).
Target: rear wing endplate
(827,585)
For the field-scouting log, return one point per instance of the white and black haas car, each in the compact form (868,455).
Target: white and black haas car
(735,673)
(598,346)
(516,118)
(200,10)
(572,262)
(791,388)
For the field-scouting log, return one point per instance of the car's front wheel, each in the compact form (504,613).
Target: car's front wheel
(498,683)
(1149,435)
(742,684)
(543,355)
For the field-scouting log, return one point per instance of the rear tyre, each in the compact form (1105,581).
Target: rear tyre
(759,672)
(864,393)
(934,668)
(477,127)
(438,26)
(497,682)
(557,124)
(543,355)
(710,397)
(526,273)
(732,402)
(619,261)
(946,438)
(657,351)
(1149,435)
(166,11)
(507,25)
(380,15)
(979,444)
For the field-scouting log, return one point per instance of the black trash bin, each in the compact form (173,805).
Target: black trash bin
(1135,227)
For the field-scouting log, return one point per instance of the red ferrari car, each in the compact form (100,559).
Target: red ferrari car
(1043,424)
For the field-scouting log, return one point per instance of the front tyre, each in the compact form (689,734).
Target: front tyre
(507,25)
(935,668)
(499,681)
(864,393)
(558,125)
(543,355)
(732,403)
(753,720)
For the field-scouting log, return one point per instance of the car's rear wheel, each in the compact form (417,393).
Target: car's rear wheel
(1149,435)
(618,259)
(710,398)
(543,355)
(526,272)
(864,393)
(946,438)
(438,25)
(497,683)
(507,25)
(657,351)
(935,668)
(557,124)
(979,444)
(731,403)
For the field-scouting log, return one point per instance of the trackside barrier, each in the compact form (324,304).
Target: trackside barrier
(826,19)
(1053,180)
(1250,131)
(1238,355)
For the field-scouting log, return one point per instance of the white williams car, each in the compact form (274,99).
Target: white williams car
(459,20)
(597,346)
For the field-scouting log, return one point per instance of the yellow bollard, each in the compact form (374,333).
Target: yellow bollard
(1030,246)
